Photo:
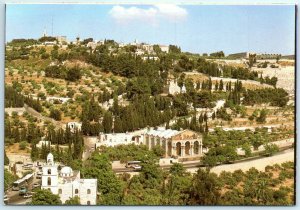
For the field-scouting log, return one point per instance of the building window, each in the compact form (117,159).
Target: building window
(88,202)
(49,180)
(76,191)
(59,191)
(88,191)
(49,171)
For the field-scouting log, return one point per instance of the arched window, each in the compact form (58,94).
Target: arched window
(88,202)
(49,171)
(76,191)
(59,191)
(49,180)
(88,191)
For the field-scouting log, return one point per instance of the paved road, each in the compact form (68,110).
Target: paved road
(258,163)
(89,146)
(15,198)
(261,162)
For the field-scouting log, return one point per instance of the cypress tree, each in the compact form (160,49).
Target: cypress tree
(221,85)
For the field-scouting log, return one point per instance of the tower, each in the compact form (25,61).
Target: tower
(50,175)
(44,33)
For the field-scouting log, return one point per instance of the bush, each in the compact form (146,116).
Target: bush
(22,145)
(55,114)
(288,165)
(270,149)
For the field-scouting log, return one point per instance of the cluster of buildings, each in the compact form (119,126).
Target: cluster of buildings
(143,48)
(67,183)
(179,144)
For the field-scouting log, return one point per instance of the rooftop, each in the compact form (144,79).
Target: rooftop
(163,133)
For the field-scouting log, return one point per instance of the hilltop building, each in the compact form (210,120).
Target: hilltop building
(67,183)
(62,40)
(164,48)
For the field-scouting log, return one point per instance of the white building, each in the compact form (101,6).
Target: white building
(74,125)
(164,48)
(114,139)
(62,39)
(67,183)
(54,99)
(92,45)
(174,88)
(155,58)
(148,48)
(139,52)
(43,143)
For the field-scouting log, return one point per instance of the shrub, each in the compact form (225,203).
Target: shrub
(22,145)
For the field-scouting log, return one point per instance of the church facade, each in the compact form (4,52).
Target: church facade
(181,144)
(67,183)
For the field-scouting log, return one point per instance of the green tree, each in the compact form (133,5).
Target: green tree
(45,197)
(204,189)
(22,145)
(6,159)
(55,114)
(107,122)
(262,116)
(73,74)
(73,201)
(177,169)
(270,149)
(109,186)
(9,178)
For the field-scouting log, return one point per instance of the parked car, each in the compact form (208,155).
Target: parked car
(137,167)
(5,199)
(27,196)
(35,185)
(22,191)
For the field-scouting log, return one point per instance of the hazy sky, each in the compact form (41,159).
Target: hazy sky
(194,28)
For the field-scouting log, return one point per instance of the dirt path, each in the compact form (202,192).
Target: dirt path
(41,117)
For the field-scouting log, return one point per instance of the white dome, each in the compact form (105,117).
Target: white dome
(66,171)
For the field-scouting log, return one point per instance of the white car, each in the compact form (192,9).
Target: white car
(137,167)
(35,185)
(5,199)
(27,196)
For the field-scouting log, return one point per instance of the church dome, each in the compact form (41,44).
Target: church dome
(66,171)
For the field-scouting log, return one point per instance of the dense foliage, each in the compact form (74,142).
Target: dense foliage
(276,97)
(152,186)
(45,197)
(61,72)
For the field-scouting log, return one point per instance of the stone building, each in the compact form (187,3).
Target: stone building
(67,183)
(115,139)
(181,144)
